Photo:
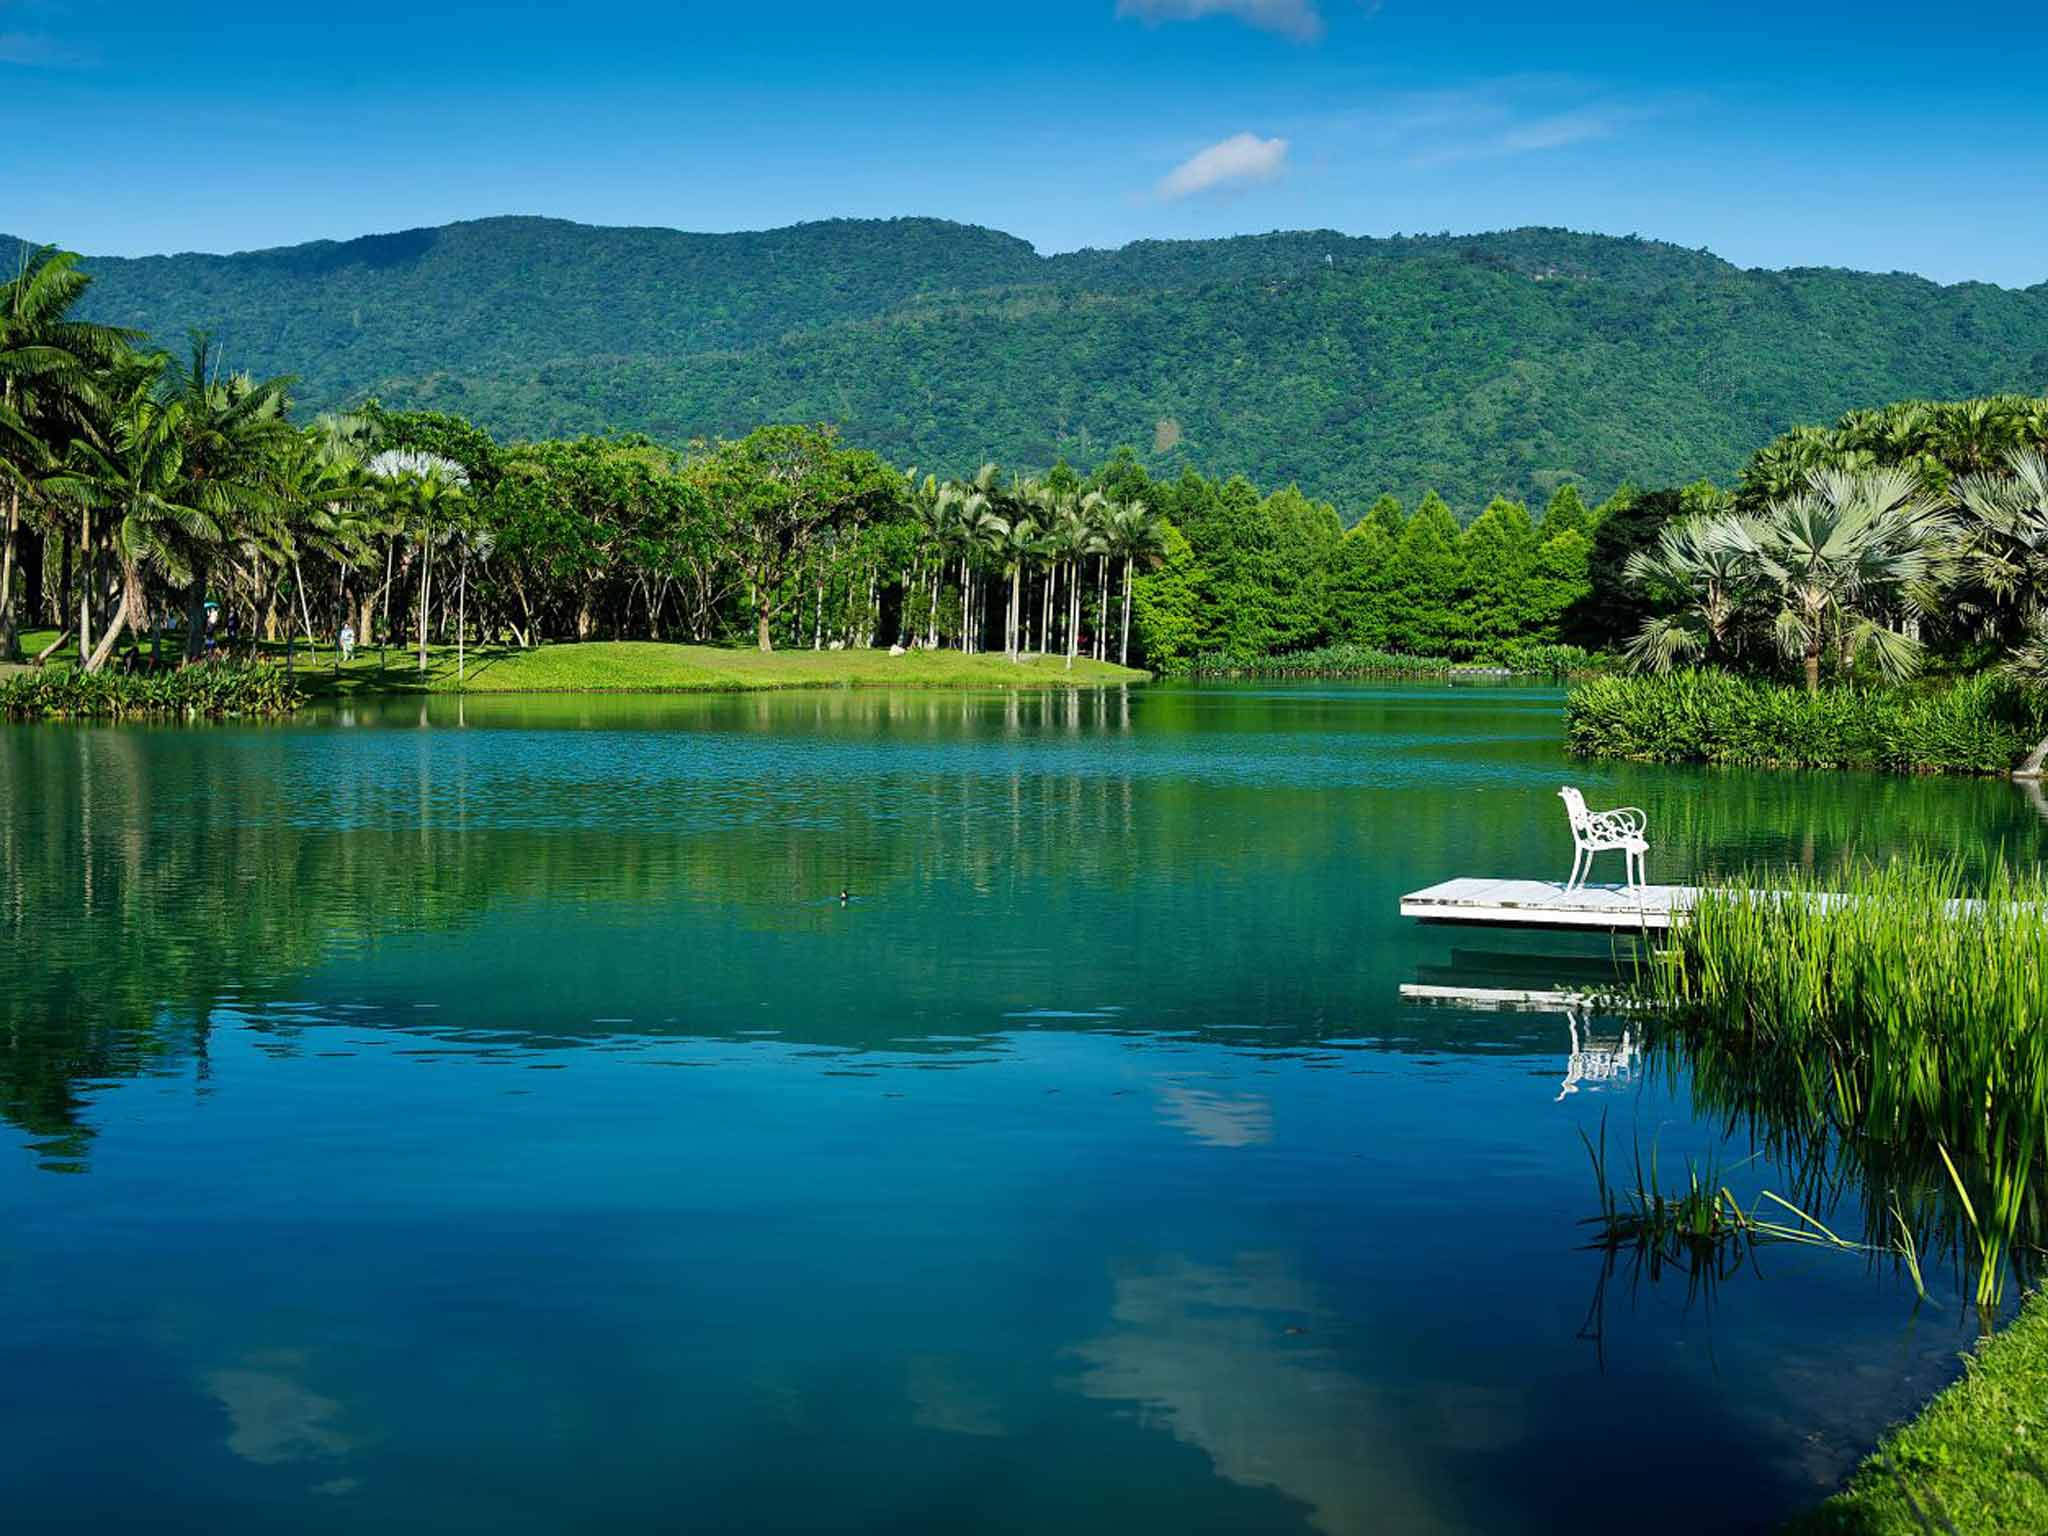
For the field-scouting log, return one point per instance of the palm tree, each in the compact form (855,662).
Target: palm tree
(1074,538)
(1133,534)
(135,466)
(328,503)
(928,511)
(1845,548)
(2005,545)
(427,492)
(47,364)
(1100,511)
(1019,542)
(1702,575)
(972,525)
(233,429)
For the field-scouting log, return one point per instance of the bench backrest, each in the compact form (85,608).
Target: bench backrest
(1575,807)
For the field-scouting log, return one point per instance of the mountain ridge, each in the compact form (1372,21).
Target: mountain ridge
(1497,362)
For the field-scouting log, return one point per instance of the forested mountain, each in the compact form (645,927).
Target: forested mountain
(1483,364)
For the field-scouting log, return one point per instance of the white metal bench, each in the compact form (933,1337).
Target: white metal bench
(1600,831)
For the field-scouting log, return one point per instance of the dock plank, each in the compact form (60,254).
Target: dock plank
(1503,903)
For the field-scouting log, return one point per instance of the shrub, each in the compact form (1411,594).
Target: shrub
(1346,660)
(1979,725)
(214,690)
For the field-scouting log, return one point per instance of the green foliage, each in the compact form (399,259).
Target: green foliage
(1612,611)
(217,690)
(1980,724)
(452,437)
(1167,618)
(1429,577)
(1360,588)
(1387,514)
(1498,551)
(1566,512)
(1343,660)
(1347,660)
(1501,363)
(1938,440)
(191,487)
(1893,1012)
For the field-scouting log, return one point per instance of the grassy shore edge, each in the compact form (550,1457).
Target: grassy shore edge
(628,667)
(1975,1459)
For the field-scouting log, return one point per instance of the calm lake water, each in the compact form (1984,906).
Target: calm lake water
(485,1116)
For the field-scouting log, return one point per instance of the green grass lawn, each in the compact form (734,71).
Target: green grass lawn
(1974,1461)
(643,666)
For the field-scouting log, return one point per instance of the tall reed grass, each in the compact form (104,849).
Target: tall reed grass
(1898,1016)
(1978,725)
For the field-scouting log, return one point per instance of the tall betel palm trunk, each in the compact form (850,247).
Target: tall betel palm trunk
(10,636)
(1124,653)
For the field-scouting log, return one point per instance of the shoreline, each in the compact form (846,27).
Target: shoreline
(260,684)
(1971,1457)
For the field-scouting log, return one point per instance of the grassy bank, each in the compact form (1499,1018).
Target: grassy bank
(1977,725)
(628,666)
(1974,1461)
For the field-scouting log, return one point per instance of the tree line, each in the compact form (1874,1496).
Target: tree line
(145,490)
(152,495)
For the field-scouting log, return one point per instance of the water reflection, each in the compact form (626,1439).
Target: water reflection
(503,1089)
(1217,1119)
(1599,1058)
(274,1418)
(1231,1359)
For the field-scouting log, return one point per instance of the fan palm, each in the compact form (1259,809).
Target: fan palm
(1702,576)
(1839,552)
(427,493)
(2005,546)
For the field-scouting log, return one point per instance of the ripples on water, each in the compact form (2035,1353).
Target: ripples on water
(489,1117)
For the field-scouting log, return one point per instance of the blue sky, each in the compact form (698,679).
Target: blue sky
(1886,136)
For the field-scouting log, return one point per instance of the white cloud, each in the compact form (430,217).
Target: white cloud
(1301,20)
(1243,157)
(1558,131)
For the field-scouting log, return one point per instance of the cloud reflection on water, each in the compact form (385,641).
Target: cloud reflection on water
(1228,1359)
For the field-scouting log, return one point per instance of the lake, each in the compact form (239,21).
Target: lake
(486,1116)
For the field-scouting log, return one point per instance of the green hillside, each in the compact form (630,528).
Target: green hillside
(1474,364)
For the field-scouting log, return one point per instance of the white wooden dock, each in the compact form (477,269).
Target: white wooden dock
(1546,904)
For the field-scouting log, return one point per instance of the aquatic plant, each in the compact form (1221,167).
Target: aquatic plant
(1892,1029)
(1346,660)
(1981,724)
(1696,1225)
